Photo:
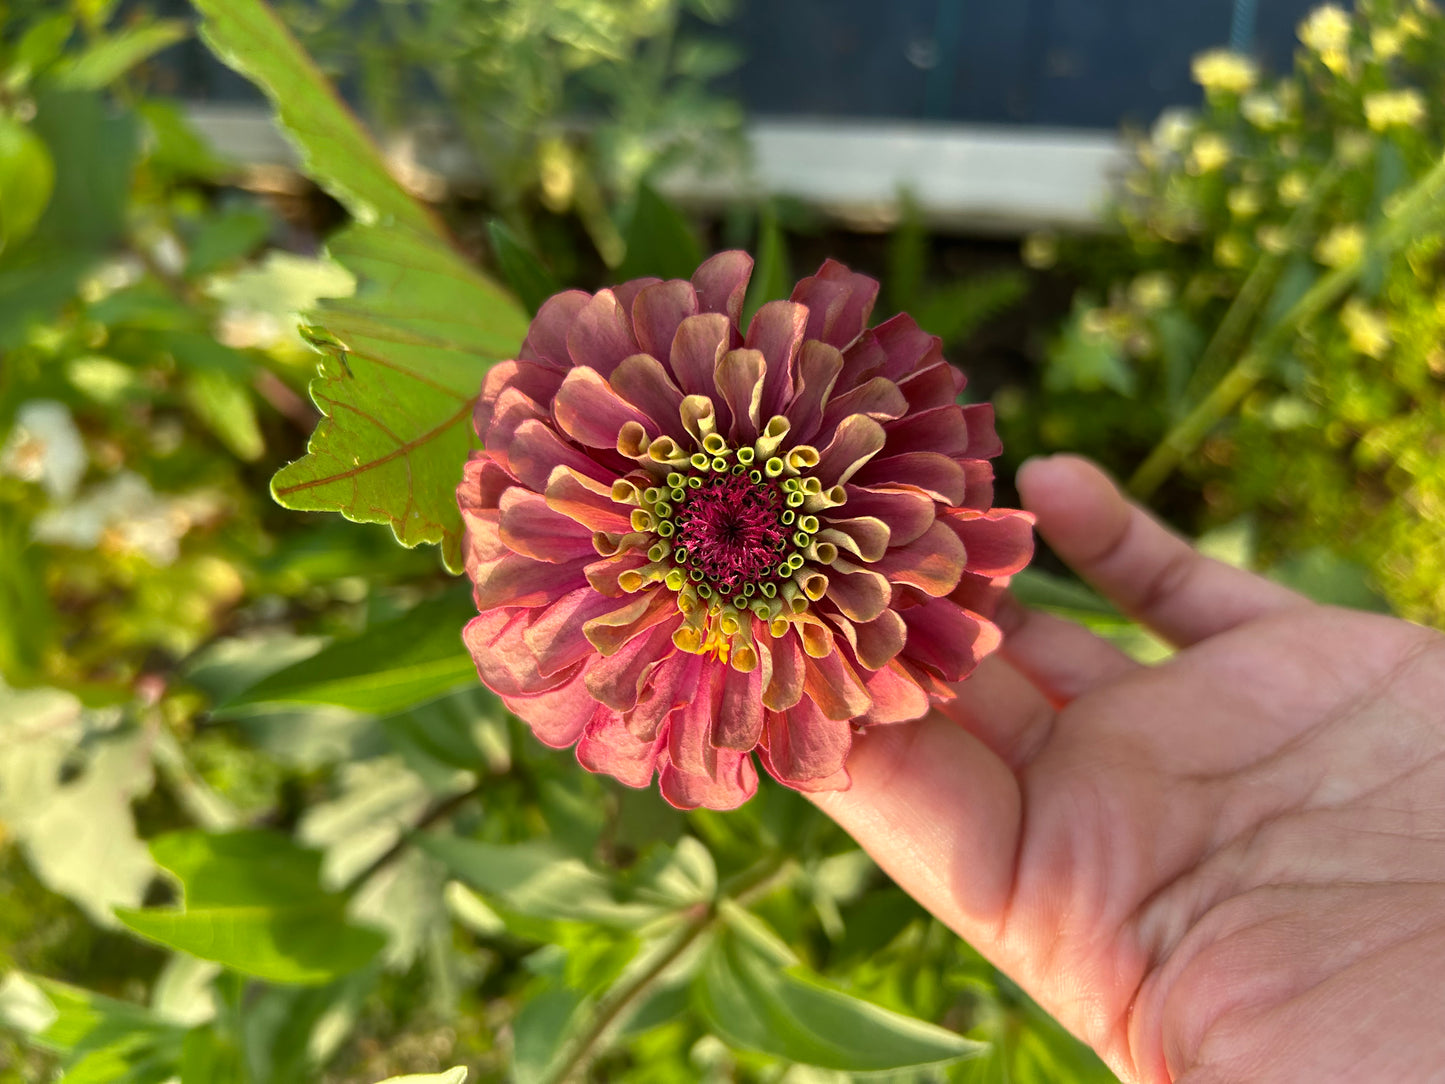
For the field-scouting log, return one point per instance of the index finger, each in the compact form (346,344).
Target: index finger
(1146,569)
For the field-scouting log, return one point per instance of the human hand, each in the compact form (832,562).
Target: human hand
(1228,867)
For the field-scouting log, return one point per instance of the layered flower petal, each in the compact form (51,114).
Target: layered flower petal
(693,542)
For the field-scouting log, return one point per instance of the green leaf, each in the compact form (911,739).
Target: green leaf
(253,902)
(224,404)
(772,275)
(404,362)
(524,273)
(99,1040)
(336,151)
(659,240)
(39,47)
(753,1003)
(390,667)
(541,1029)
(537,880)
(100,64)
(27,177)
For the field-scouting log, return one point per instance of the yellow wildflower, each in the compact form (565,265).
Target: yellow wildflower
(1244,202)
(1273,239)
(1231,251)
(1152,290)
(1394,108)
(1294,189)
(1209,153)
(1342,246)
(1224,71)
(1172,130)
(1368,331)
(1327,32)
(1040,251)
(1264,111)
(1386,42)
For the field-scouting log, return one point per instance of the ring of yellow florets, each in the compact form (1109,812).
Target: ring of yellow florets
(734,532)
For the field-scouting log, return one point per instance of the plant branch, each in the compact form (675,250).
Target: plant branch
(581,1052)
(443,809)
(1409,215)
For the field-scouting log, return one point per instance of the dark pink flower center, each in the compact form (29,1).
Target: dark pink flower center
(733,531)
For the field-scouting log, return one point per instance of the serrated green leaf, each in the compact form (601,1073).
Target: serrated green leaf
(753,1003)
(336,151)
(659,240)
(105,61)
(253,902)
(392,666)
(404,362)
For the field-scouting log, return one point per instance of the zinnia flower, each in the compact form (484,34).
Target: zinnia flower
(690,543)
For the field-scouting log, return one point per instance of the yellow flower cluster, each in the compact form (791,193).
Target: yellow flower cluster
(1294,188)
(1342,246)
(1367,330)
(1209,153)
(1264,111)
(1222,71)
(1327,32)
(1394,109)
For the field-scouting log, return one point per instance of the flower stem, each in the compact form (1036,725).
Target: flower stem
(621,999)
(1409,215)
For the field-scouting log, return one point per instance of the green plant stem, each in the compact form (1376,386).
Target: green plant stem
(1410,214)
(584,1049)
(1255,292)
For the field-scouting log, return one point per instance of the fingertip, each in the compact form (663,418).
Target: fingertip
(1071,497)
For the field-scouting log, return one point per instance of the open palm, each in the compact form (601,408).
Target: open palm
(1228,867)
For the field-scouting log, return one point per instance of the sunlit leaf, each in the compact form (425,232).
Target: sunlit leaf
(254,903)
(403,363)
(391,666)
(451,1076)
(27,176)
(336,152)
(536,880)
(105,61)
(752,1002)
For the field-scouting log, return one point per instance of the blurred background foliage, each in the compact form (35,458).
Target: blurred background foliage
(206,719)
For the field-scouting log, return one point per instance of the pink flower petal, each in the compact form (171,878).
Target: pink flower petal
(946,639)
(669,686)
(927,389)
(546,340)
(739,380)
(658,312)
(585,500)
(739,721)
(514,580)
(733,783)
(722,283)
(932,563)
(591,413)
(999,542)
(557,716)
(628,292)
(642,381)
(700,343)
(605,575)
(505,663)
(834,686)
(556,637)
(909,348)
(856,440)
(607,632)
(818,367)
(804,744)
(618,680)
(878,398)
(865,537)
(785,688)
(983,442)
(943,430)
(839,302)
(859,593)
(878,642)
(907,512)
(777,331)
(528,527)
(609,748)
(535,451)
(601,335)
(940,477)
(897,698)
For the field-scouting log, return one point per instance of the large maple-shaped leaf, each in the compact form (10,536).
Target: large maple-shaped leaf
(404,357)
